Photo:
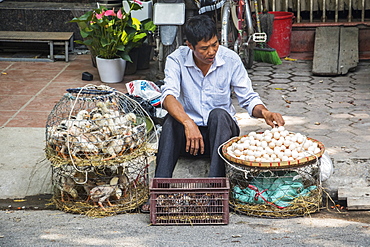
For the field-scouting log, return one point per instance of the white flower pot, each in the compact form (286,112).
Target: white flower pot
(111,70)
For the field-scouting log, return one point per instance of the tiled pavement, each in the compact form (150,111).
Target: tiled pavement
(29,90)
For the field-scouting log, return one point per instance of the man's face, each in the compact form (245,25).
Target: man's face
(205,51)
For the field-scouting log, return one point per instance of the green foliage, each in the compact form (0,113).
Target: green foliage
(113,33)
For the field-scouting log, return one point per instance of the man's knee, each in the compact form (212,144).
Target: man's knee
(218,114)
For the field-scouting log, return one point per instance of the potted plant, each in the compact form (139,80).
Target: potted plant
(110,35)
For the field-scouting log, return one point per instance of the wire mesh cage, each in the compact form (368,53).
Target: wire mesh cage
(275,173)
(275,193)
(98,141)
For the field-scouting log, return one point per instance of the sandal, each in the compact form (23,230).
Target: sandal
(145,208)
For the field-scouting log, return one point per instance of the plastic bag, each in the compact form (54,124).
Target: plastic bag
(147,90)
(326,166)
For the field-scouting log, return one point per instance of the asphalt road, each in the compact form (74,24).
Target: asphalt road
(56,228)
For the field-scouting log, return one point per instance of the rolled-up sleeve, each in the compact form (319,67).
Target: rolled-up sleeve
(172,79)
(243,89)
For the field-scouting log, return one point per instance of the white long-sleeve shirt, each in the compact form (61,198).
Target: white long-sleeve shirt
(200,94)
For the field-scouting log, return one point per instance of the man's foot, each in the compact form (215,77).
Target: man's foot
(145,208)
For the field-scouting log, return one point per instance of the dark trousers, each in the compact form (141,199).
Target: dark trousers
(220,128)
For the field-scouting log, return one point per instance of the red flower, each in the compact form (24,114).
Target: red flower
(109,12)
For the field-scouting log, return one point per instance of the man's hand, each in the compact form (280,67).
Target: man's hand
(194,139)
(272,118)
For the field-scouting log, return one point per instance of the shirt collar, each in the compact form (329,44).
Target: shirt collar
(189,60)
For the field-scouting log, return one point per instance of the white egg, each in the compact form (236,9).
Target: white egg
(252,134)
(294,154)
(257,154)
(253,148)
(245,151)
(280,155)
(277,135)
(292,146)
(300,139)
(269,151)
(259,137)
(273,130)
(314,144)
(300,156)
(311,149)
(282,148)
(281,128)
(250,153)
(285,133)
(247,141)
(266,132)
(273,156)
(258,159)
(237,152)
(278,143)
(277,150)
(239,147)
(264,144)
(242,157)
(251,158)
(266,156)
(245,145)
(253,142)
(243,139)
(268,138)
(272,145)
(260,149)
(293,138)
(282,139)
(233,146)
(306,144)
(284,158)
(317,150)
(288,152)
(251,138)
(287,143)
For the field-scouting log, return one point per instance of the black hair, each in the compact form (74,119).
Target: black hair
(199,27)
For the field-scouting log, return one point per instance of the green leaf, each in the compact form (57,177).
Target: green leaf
(139,37)
(148,25)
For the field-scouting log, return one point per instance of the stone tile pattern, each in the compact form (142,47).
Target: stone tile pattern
(333,110)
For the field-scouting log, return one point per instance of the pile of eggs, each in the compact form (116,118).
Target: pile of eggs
(273,145)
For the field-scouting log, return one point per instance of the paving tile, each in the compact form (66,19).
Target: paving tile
(38,66)
(28,76)
(4,65)
(300,78)
(255,78)
(277,80)
(21,87)
(13,102)
(5,115)
(29,119)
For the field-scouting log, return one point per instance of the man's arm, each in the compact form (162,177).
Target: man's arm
(194,139)
(271,118)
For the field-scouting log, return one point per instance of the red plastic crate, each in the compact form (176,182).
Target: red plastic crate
(189,201)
